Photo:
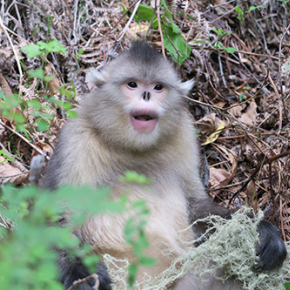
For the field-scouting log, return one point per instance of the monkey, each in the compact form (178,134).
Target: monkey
(137,119)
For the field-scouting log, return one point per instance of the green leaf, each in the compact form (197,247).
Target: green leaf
(155,23)
(19,118)
(230,49)
(133,176)
(71,114)
(287,67)
(221,32)
(42,126)
(133,269)
(175,28)
(239,10)
(147,261)
(38,73)
(91,262)
(242,97)
(167,12)
(32,50)
(287,286)
(47,78)
(145,13)
(81,51)
(179,43)
(52,46)
(255,7)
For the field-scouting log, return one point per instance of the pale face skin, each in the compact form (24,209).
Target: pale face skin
(144,102)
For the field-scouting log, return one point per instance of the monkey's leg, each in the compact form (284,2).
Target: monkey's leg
(71,271)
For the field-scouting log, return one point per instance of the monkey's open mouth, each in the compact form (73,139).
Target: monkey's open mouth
(144,123)
(143,117)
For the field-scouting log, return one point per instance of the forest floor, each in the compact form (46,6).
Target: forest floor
(238,54)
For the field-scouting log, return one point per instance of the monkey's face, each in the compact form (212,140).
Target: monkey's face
(144,103)
(138,103)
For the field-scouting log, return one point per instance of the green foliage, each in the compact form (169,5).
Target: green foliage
(80,52)
(284,2)
(173,39)
(134,177)
(134,230)
(10,105)
(242,13)
(219,45)
(7,158)
(28,258)
(221,32)
(41,48)
(287,66)
(8,108)
(287,286)
(242,97)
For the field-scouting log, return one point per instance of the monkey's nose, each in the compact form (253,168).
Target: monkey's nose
(146,96)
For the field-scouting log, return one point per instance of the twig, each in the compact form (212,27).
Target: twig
(170,40)
(253,141)
(14,52)
(221,70)
(123,15)
(232,10)
(209,79)
(85,280)
(286,98)
(281,86)
(15,163)
(267,161)
(129,22)
(264,38)
(20,136)
(157,3)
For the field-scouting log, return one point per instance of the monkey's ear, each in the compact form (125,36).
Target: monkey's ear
(96,77)
(186,86)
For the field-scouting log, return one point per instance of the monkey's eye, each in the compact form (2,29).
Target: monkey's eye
(158,87)
(132,85)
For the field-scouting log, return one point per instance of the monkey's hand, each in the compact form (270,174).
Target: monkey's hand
(71,271)
(271,249)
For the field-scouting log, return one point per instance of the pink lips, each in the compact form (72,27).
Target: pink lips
(144,123)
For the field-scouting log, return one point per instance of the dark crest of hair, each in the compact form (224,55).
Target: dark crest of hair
(140,50)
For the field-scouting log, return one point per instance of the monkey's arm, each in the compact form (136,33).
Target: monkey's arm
(271,248)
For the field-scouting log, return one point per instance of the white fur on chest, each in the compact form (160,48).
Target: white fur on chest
(166,221)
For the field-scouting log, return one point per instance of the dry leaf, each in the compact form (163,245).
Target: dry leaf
(224,176)
(208,124)
(217,176)
(250,116)
(54,84)
(44,146)
(139,28)
(10,173)
(236,110)
(4,86)
(212,137)
(134,29)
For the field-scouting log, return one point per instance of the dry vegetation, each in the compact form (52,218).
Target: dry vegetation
(242,94)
